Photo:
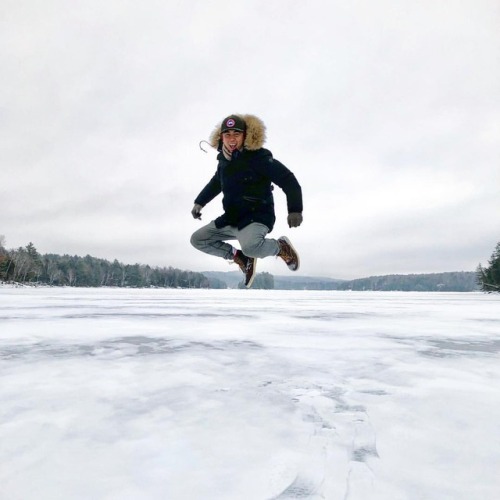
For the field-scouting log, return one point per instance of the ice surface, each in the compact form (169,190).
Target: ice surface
(244,394)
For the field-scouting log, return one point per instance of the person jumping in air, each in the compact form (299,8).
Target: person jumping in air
(245,174)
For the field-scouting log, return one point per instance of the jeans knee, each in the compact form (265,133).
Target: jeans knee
(195,241)
(252,249)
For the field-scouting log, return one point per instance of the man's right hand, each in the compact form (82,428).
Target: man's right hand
(294,219)
(196,212)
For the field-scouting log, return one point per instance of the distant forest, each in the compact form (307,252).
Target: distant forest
(437,282)
(26,265)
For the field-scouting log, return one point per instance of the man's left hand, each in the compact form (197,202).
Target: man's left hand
(294,219)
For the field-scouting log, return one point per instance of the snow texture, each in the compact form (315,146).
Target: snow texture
(120,394)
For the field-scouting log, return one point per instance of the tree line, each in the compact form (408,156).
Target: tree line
(433,282)
(26,265)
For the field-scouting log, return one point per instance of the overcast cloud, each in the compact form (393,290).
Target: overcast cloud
(388,112)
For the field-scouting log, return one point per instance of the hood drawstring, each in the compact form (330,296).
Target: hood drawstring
(201,147)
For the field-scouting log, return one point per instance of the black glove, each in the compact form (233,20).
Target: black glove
(294,219)
(196,212)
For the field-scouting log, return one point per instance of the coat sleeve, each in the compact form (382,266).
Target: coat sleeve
(209,192)
(286,180)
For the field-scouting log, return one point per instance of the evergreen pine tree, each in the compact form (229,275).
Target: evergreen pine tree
(489,278)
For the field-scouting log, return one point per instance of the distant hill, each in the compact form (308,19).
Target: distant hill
(306,283)
(230,278)
(446,282)
(434,282)
(233,278)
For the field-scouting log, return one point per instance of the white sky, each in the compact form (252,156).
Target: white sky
(386,111)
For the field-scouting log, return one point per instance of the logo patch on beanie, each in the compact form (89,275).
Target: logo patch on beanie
(230,123)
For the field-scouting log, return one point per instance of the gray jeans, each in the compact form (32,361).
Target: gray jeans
(252,240)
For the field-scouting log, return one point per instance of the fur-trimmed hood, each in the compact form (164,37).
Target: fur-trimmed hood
(255,135)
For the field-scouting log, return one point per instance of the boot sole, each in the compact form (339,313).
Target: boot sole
(284,238)
(249,284)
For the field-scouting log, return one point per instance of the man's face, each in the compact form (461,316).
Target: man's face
(233,139)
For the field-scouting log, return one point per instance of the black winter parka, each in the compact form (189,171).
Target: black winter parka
(246,184)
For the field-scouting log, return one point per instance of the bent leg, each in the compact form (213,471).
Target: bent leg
(211,240)
(254,243)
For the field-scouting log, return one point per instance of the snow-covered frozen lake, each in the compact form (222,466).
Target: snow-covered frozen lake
(112,394)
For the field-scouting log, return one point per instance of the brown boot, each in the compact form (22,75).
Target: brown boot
(247,265)
(288,253)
